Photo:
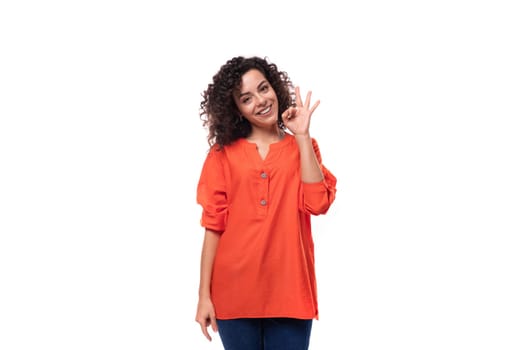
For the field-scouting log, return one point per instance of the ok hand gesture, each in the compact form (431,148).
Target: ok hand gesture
(297,118)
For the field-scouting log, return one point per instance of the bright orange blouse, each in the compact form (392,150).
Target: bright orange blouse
(264,264)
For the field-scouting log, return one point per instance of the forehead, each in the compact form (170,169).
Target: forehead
(251,79)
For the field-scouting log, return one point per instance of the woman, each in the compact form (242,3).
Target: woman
(261,181)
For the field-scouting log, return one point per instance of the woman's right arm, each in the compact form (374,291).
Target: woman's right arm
(205,310)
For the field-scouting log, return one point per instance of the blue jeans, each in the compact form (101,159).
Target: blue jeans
(265,333)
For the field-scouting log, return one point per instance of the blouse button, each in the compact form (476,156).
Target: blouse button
(263,202)
(264,175)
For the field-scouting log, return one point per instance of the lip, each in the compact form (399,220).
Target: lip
(265,111)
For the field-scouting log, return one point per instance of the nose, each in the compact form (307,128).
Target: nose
(261,101)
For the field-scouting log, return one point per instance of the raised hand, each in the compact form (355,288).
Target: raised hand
(297,118)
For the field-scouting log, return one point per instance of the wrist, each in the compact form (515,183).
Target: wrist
(204,296)
(302,136)
(204,293)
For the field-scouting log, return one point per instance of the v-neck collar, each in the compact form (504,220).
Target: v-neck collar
(273,148)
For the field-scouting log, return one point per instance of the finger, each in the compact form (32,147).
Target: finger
(314,106)
(307,102)
(289,113)
(205,331)
(214,324)
(298,100)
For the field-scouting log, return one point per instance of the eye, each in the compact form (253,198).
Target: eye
(265,88)
(245,100)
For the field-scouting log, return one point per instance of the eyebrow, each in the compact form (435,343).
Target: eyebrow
(258,86)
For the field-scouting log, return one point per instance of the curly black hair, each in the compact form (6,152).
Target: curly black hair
(218,110)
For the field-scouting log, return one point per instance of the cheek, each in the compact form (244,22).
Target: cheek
(244,109)
(274,97)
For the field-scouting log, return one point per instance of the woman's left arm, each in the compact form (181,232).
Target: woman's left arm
(297,120)
(310,169)
(318,184)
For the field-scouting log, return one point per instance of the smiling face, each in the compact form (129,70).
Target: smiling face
(257,101)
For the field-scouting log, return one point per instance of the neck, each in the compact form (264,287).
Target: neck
(266,136)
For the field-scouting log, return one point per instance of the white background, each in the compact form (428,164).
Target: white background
(421,119)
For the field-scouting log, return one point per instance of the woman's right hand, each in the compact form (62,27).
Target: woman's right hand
(206,316)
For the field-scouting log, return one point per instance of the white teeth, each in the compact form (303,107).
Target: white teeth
(264,111)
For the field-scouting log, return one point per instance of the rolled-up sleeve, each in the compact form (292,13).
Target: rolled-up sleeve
(317,197)
(211,193)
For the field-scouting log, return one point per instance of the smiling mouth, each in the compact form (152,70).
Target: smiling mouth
(265,111)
